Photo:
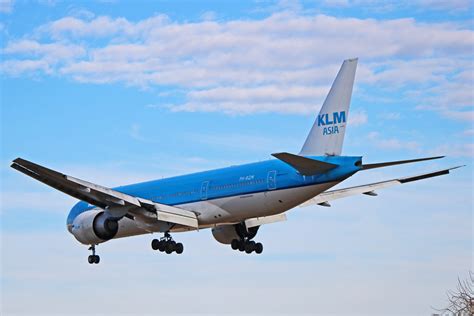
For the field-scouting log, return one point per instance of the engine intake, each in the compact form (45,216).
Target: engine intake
(94,227)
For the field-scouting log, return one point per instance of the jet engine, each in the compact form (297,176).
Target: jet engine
(94,227)
(225,234)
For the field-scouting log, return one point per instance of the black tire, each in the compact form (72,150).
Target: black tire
(242,245)
(234,244)
(249,248)
(258,248)
(179,248)
(90,259)
(96,259)
(169,248)
(155,243)
(161,245)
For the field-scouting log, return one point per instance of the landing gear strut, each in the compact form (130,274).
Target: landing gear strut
(167,244)
(93,258)
(245,243)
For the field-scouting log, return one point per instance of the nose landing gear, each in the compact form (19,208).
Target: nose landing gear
(93,258)
(167,244)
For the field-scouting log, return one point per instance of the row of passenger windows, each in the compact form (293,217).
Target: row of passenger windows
(236,185)
(213,188)
(172,195)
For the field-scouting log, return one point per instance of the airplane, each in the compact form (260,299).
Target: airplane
(235,201)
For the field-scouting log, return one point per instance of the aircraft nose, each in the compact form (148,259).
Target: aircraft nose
(69,228)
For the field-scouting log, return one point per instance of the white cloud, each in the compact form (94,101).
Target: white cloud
(244,100)
(455,150)
(209,16)
(49,3)
(34,57)
(469,132)
(6,6)
(275,64)
(390,116)
(358,118)
(81,13)
(460,115)
(336,3)
(51,201)
(19,67)
(50,51)
(393,143)
(452,5)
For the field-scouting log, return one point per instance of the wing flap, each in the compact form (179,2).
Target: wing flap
(167,213)
(114,196)
(258,221)
(369,189)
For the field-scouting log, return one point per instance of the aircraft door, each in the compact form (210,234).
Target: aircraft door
(204,188)
(271,180)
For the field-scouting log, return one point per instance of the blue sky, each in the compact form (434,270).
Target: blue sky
(116,92)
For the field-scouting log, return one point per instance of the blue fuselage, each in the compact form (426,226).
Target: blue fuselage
(239,180)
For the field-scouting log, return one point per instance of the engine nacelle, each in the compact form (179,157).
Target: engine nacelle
(94,227)
(225,234)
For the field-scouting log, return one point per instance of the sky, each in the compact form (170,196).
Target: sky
(117,92)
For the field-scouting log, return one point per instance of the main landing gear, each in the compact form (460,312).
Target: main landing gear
(245,242)
(167,244)
(246,245)
(93,258)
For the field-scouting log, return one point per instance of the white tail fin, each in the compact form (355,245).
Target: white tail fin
(327,134)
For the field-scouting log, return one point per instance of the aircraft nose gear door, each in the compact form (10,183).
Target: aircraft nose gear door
(271,180)
(204,187)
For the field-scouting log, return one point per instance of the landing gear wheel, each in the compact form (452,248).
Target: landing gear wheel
(169,247)
(241,245)
(234,244)
(249,248)
(167,244)
(161,245)
(155,244)
(258,248)
(179,248)
(93,258)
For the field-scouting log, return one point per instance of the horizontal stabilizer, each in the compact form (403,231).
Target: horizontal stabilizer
(393,163)
(305,166)
(368,189)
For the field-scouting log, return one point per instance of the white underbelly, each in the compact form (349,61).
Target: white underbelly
(239,208)
(233,209)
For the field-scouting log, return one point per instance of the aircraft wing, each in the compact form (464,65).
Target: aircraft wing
(369,189)
(104,197)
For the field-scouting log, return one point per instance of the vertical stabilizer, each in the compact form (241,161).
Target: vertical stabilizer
(327,134)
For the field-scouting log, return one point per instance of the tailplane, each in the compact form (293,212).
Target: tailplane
(327,134)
